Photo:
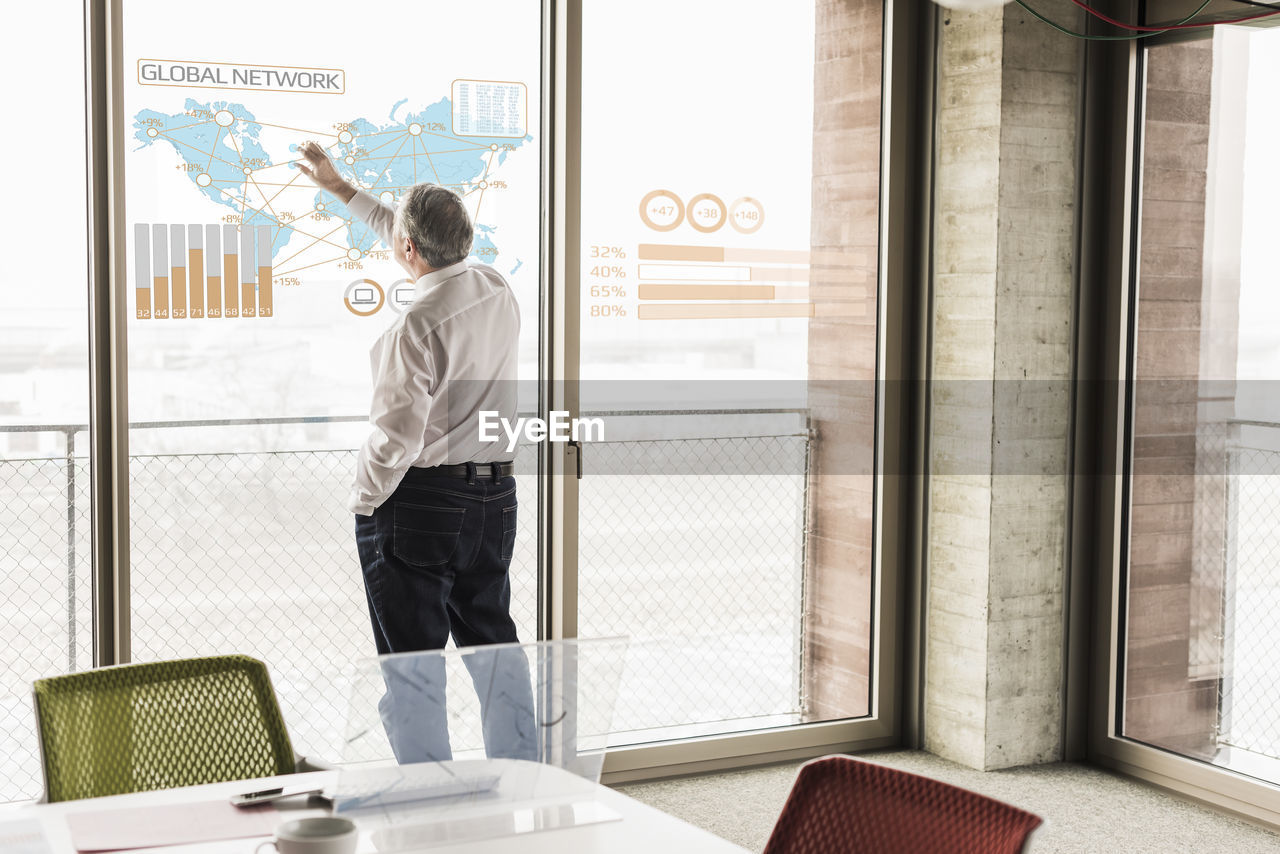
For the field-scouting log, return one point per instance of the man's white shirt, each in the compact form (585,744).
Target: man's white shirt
(451,354)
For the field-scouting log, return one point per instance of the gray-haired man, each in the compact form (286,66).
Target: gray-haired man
(436,507)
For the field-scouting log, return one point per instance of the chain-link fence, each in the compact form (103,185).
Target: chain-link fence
(253,552)
(1251,599)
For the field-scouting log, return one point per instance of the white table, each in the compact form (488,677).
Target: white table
(642,829)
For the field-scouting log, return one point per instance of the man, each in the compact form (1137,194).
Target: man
(436,507)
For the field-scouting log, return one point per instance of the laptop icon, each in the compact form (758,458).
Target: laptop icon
(363,296)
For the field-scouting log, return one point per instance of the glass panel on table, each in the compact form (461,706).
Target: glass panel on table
(728,329)
(1201,677)
(46,625)
(255,298)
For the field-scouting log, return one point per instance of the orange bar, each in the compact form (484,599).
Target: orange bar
(264,292)
(230,282)
(737,311)
(678,252)
(668,252)
(195,268)
(215,296)
(248,305)
(144,303)
(707,292)
(160,296)
(178,277)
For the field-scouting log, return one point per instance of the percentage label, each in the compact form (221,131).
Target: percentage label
(600,271)
(497,185)
(608,311)
(288,281)
(606,291)
(601,251)
(487,252)
(380,254)
(351,265)
(434,125)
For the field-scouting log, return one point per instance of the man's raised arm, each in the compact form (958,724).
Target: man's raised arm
(379,216)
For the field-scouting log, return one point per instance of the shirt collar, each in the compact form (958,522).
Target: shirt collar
(435,277)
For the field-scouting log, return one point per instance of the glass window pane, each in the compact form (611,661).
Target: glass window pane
(728,340)
(46,625)
(256,298)
(1201,676)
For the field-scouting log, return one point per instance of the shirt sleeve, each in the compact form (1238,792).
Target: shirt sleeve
(376,214)
(403,379)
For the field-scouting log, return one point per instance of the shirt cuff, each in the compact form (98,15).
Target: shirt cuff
(358,506)
(363,203)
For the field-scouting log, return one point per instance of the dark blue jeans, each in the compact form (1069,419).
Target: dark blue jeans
(435,557)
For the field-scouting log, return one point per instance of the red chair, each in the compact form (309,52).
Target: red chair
(841,805)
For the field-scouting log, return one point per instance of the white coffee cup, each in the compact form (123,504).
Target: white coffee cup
(317,835)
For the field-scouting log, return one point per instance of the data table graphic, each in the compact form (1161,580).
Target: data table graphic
(247,166)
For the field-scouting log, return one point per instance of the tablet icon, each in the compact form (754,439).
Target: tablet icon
(364,297)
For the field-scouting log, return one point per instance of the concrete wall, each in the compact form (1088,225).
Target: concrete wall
(1008,104)
(842,360)
(1176,540)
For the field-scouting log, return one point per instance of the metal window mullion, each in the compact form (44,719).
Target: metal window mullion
(108,364)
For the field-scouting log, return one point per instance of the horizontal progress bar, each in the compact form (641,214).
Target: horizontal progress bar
(720,254)
(726,311)
(732,273)
(723,292)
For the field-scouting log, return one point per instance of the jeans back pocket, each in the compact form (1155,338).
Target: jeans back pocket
(422,535)
(508,532)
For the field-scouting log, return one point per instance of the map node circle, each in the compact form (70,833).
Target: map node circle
(387,196)
(345,137)
(483,184)
(349,160)
(354,254)
(415,129)
(493,146)
(247,170)
(224,118)
(153,133)
(319,206)
(203,179)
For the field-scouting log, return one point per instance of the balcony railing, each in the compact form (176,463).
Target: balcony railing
(252,551)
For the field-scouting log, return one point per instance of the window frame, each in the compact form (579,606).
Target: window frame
(1110,253)
(905,147)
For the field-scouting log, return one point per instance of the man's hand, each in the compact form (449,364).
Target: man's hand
(322,172)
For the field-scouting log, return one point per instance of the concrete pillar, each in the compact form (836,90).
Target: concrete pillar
(1005,195)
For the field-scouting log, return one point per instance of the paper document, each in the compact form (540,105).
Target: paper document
(168,824)
(23,837)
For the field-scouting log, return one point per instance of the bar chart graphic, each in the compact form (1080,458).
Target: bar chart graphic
(198,272)
(681,282)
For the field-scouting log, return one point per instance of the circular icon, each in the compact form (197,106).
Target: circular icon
(345,137)
(746,215)
(224,118)
(153,133)
(364,297)
(662,210)
(415,129)
(706,213)
(401,295)
(203,179)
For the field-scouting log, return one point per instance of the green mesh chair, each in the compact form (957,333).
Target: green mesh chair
(139,727)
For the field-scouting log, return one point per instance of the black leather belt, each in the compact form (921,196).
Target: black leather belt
(470,471)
